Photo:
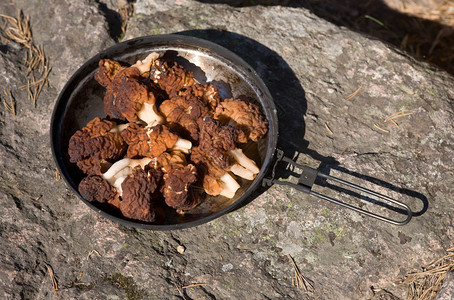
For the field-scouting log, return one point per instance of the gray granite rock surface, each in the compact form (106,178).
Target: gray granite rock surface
(310,67)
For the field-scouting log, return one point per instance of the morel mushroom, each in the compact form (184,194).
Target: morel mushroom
(96,146)
(118,172)
(96,188)
(246,115)
(218,141)
(171,78)
(106,72)
(185,113)
(152,141)
(215,181)
(176,189)
(129,98)
(140,198)
(207,92)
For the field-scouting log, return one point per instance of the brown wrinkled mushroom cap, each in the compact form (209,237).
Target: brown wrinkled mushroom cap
(207,92)
(139,198)
(148,141)
(171,78)
(216,139)
(185,114)
(95,144)
(106,72)
(166,158)
(127,95)
(96,188)
(176,189)
(209,174)
(93,165)
(246,115)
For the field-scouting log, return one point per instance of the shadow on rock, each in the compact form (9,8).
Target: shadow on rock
(423,39)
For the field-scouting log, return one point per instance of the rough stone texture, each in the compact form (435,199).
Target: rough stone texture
(447,291)
(310,67)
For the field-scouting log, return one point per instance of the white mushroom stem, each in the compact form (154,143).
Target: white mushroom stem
(122,169)
(119,128)
(241,171)
(182,145)
(150,115)
(245,167)
(145,65)
(230,186)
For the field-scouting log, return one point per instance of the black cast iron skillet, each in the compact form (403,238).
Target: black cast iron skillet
(81,100)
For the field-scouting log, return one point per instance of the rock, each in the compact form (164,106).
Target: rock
(447,291)
(310,67)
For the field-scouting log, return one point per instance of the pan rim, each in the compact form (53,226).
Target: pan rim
(204,46)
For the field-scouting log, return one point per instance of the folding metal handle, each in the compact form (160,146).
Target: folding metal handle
(309,175)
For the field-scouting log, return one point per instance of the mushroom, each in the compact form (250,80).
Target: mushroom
(185,113)
(96,146)
(141,200)
(131,99)
(118,172)
(176,190)
(96,188)
(218,142)
(245,114)
(106,72)
(144,65)
(171,78)
(214,180)
(152,141)
(207,92)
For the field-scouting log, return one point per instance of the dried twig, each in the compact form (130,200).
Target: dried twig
(299,280)
(57,175)
(52,277)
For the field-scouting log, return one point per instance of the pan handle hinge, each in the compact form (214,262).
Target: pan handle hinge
(308,177)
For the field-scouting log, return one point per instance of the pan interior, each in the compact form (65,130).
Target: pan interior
(82,99)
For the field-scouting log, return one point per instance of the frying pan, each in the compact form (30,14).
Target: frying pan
(81,100)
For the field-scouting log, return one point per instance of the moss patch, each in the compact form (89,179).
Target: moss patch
(128,286)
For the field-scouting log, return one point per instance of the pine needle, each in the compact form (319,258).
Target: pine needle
(328,129)
(299,280)
(52,278)
(92,252)
(399,114)
(425,285)
(375,20)
(193,285)
(18,30)
(349,97)
(9,104)
(381,129)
